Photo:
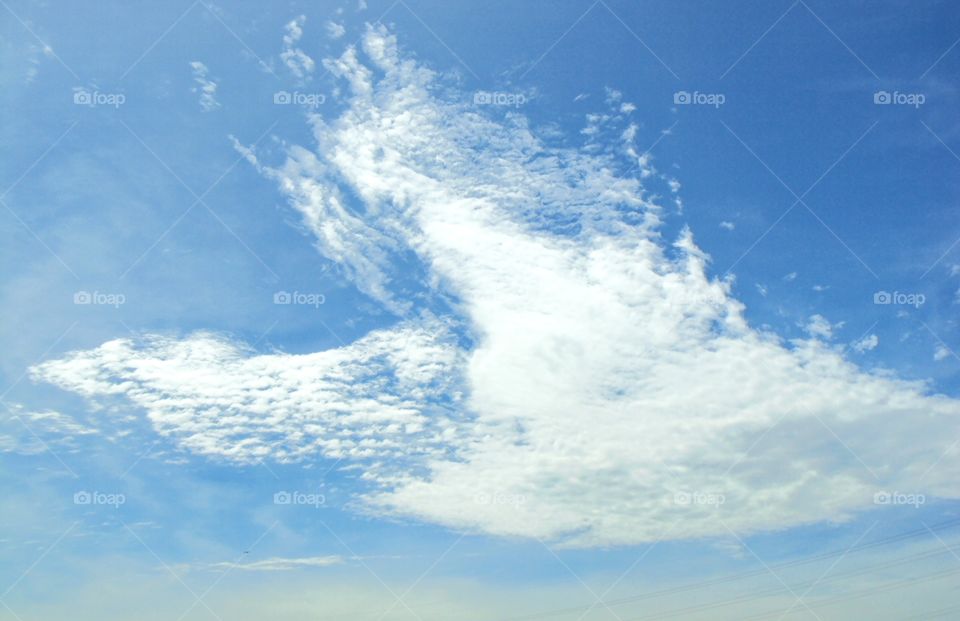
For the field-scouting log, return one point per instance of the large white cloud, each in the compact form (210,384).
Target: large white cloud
(611,389)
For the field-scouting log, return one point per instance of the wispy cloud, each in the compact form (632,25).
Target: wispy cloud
(335,30)
(558,370)
(278,564)
(29,432)
(867,343)
(820,327)
(205,87)
(373,399)
(296,60)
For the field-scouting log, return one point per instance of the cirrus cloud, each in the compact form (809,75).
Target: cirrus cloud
(562,372)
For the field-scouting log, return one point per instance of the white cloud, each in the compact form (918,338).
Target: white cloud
(30,433)
(370,400)
(279,564)
(941,353)
(645,164)
(818,326)
(296,60)
(606,376)
(206,87)
(294,31)
(34,55)
(867,343)
(726,224)
(335,30)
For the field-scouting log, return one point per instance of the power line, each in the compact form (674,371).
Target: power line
(850,596)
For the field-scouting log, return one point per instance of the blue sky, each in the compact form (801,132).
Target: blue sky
(428,311)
